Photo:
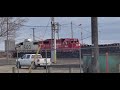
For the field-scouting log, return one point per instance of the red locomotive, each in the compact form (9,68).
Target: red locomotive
(64,44)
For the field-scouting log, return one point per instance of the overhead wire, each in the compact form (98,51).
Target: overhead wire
(46,28)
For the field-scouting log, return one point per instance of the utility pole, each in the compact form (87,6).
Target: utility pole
(58,34)
(71,29)
(82,37)
(52,29)
(58,30)
(33,34)
(80,52)
(95,49)
(81,34)
(53,40)
(7,42)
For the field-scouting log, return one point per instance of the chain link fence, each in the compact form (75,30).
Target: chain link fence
(69,62)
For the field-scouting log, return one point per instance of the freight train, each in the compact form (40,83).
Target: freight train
(65,47)
(103,48)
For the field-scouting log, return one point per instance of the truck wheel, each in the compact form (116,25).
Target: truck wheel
(33,65)
(18,65)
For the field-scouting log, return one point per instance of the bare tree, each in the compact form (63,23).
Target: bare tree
(9,25)
(8,28)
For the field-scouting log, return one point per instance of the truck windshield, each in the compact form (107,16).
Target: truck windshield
(24,56)
(38,56)
(28,56)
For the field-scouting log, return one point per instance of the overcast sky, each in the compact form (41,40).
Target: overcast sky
(109,29)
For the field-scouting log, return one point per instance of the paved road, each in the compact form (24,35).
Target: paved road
(7,68)
(11,61)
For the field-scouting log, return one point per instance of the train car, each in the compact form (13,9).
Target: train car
(66,47)
(64,44)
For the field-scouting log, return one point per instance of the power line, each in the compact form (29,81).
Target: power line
(79,26)
(34,26)
(86,37)
(46,27)
(63,25)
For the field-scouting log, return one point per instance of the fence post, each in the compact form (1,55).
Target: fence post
(13,69)
(70,69)
(119,68)
(107,63)
(46,60)
(49,69)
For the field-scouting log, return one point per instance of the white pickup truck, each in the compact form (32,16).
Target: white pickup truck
(28,60)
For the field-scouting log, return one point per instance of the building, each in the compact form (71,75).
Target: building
(10,46)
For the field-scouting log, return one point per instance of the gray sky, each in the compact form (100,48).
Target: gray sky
(109,29)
